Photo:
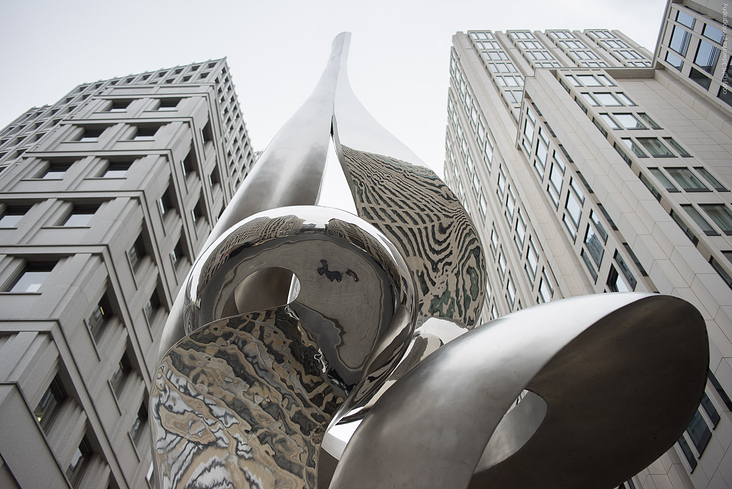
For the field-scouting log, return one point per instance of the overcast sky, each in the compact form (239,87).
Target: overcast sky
(398,64)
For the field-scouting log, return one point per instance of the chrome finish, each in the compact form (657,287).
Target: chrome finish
(397,193)
(248,397)
(621,376)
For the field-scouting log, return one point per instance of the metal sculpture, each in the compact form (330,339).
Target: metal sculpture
(294,319)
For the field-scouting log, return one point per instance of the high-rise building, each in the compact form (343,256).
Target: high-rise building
(591,165)
(106,198)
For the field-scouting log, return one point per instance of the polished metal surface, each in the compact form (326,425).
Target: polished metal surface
(621,376)
(246,396)
(407,201)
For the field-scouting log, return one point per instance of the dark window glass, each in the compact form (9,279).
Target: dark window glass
(625,270)
(99,318)
(12,215)
(117,169)
(710,179)
(699,220)
(55,171)
(655,147)
(718,387)
(689,233)
(119,376)
(81,457)
(720,214)
(49,404)
(687,180)
(686,450)
(700,78)
(80,215)
(32,276)
(137,252)
(661,177)
(138,425)
(699,432)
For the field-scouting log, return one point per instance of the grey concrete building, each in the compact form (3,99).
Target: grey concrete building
(591,165)
(106,198)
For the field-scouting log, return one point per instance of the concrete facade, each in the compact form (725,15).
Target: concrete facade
(598,166)
(106,198)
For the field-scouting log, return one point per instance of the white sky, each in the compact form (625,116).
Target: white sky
(276,49)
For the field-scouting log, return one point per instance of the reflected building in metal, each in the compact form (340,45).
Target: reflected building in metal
(592,165)
(298,321)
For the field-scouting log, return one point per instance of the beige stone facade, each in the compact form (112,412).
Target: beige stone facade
(106,198)
(597,166)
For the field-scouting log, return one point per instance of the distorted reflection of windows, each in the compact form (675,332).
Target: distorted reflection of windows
(721,215)
(707,56)
(680,38)
(686,180)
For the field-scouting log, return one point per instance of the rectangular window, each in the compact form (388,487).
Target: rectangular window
(589,265)
(655,147)
(81,458)
(687,180)
(546,291)
(686,450)
(99,317)
(520,230)
(681,151)
(625,270)
(699,220)
(608,99)
(137,252)
(680,38)
(120,374)
(50,404)
(32,276)
(598,225)
(615,283)
(90,134)
(707,56)
(178,253)
(650,186)
(145,133)
(699,433)
(139,424)
(55,171)
(700,78)
(661,177)
(116,169)
(674,60)
(590,100)
(610,121)
(689,233)
(634,148)
(12,214)
(532,258)
(119,105)
(168,104)
(721,215)
(80,215)
(629,121)
(710,179)
(165,203)
(594,245)
(502,263)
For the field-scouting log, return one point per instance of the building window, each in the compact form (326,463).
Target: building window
(90,134)
(725,94)
(189,163)
(685,19)
(700,78)
(99,318)
(532,259)
(145,133)
(610,121)
(119,105)
(574,208)
(689,233)
(674,60)
(681,151)
(116,169)
(721,215)
(178,254)
(594,245)
(634,148)
(165,203)
(139,424)
(12,214)
(137,252)
(707,56)
(688,455)
(661,177)
(680,38)
(81,458)
(686,180)
(168,104)
(80,215)
(32,276)
(151,308)
(120,375)
(614,282)
(629,121)
(502,263)
(50,404)
(711,180)
(699,433)
(608,99)
(655,147)
(699,220)
(545,289)
(589,265)
(625,270)
(55,171)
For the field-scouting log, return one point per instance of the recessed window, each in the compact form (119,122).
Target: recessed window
(647,119)
(81,458)
(680,38)
(145,133)
(594,245)
(700,78)
(629,121)
(119,105)
(207,132)
(152,307)
(574,208)
(189,164)
(139,424)
(168,104)
(178,254)
(32,277)
(165,203)
(137,252)
(55,171)
(116,169)
(699,220)
(711,180)
(615,283)
(120,375)
(99,317)
(50,404)
(80,215)
(721,215)
(91,134)
(656,172)
(607,99)
(685,19)
(12,214)
(589,81)
(687,180)
(655,147)
(610,121)
(713,33)
(707,56)
(634,148)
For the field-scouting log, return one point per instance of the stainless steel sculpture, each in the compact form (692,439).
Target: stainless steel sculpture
(294,319)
